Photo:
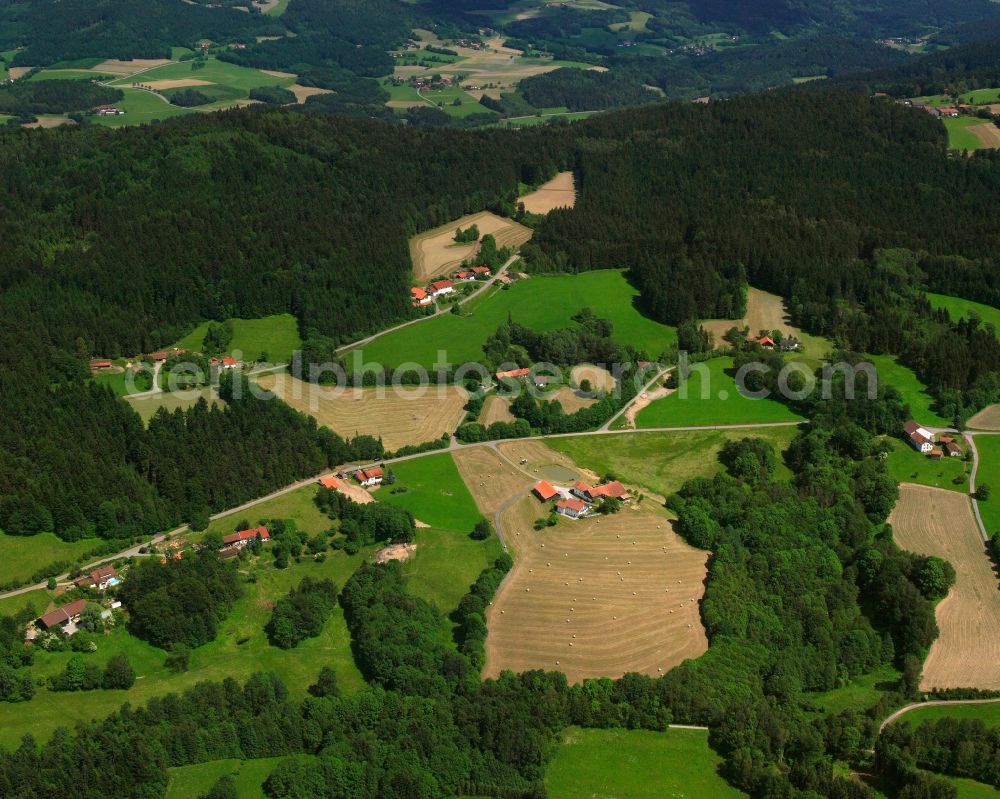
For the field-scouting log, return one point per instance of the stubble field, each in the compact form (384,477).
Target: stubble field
(435,252)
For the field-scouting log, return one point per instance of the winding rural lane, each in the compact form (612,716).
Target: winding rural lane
(455,445)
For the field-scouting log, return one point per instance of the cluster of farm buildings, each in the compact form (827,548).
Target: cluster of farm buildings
(923,441)
(581,498)
(96,364)
(440,288)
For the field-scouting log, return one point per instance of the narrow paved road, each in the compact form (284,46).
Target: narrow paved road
(455,445)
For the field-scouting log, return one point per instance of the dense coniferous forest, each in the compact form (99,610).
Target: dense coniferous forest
(54,96)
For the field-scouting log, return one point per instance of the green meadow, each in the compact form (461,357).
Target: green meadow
(861,692)
(53,73)
(275,337)
(22,556)
(435,493)
(141,106)
(297,506)
(38,600)
(966,309)
(712,398)
(445,99)
(914,393)
(906,465)
(989,474)
(445,564)
(197,780)
(970,789)
(541,303)
(662,462)
(637,764)
(147,406)
(989,714)
(981,96)
(959,135)
(523,122)
(219,73)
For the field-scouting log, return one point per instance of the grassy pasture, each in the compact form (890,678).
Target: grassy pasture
(541,303)
(661,462)
(215,71)
(445,564)
(275,336)
(141,106)
(906,465)
(436,494)
(38,599)
(966,309)
(989,714)
(22,556)
(712,398)
(637,764)
(981,96)
(197,780)
(53,73)
(863,691)
(902,378)
(298,506)
(989,474)
(959,135)
(444,99)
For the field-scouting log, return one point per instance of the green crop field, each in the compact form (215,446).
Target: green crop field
(966,309)
(721,403)
(22,556)
(274,336)
(959,135)
(637,764)
(902,378)
(541,303)
(436,494)
(989,714)
(662,462)
(197,780)
(906,465)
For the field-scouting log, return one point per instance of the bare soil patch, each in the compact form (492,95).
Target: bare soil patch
(934,521)
(274,73)
(303,92)
(406,416)
(355,492)
(18,72)
(395,552)
(560,192)
(176,84)
(643,400)
(987,419)
(115,66)
(436,253)
(490,479)
(495,409)
(597,597)
(50,122)
(570,399)
(988,134)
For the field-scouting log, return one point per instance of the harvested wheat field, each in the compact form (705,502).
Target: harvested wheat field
(491,480)
(570,400)
(599,378)
(403,416)
(542,462)
(560,192)
(764,312)
(303,93)
(597,597)
(115,66)
(435,252)
(987,133)
(495,409)
(14,73)
(178,83)
(987,419)
(935,521)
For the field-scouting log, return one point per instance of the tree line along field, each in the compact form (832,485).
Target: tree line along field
(905,465)
(959,308)
(988,447)
(712,399)
(541,303)
(22,556)
(276,337)
(637,764)
(198,780)
(914,393)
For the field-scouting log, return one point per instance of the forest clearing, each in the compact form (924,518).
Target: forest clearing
(435,252)
(399,416)
(560,192)
(597,597)
(932,521)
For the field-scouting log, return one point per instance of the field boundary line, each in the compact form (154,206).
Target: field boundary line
(932,703)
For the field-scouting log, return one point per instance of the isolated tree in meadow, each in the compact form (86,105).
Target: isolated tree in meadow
(983,491)
(482,530)
(118,673)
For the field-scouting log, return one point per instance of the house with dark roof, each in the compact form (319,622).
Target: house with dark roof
(65,617)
